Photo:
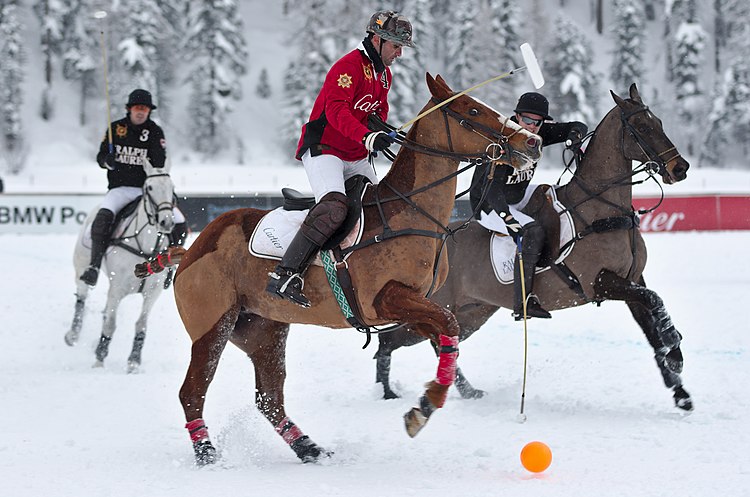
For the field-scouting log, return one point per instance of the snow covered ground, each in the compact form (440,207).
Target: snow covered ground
(594,395)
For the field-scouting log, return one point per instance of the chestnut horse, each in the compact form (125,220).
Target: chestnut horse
(608,258)
(219,286)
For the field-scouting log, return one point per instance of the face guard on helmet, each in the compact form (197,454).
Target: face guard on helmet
(391,26)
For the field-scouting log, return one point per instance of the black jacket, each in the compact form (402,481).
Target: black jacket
(131,144)
(509,185)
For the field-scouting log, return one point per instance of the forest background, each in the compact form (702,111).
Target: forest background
(234,80)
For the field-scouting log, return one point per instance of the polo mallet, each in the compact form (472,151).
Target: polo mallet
(521,414)
(531,65)
(101,14)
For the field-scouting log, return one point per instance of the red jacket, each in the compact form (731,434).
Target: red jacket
(338,120)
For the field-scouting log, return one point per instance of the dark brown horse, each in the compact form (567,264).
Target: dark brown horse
(219,286)
(607,260)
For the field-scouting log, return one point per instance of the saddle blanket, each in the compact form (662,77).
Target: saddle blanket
(503,248)
(275,232)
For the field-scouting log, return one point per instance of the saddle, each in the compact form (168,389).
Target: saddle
(558,226)
(354,186)
(277,228)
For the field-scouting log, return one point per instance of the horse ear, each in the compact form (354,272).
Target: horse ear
(619,101)
(634,93)
(438,87)
(442,82)
(432,85)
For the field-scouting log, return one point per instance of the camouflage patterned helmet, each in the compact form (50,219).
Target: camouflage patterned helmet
(391,26)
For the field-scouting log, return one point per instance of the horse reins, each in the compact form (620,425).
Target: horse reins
(654,164)
(496,150)
(151,220)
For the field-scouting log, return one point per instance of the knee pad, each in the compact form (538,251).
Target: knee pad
(102,224)
(533,239)
(325,218)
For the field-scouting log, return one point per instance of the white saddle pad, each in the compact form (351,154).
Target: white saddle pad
(275,231)
(503,248)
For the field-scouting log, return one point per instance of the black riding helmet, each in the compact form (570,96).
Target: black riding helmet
(533,103)
(140,97)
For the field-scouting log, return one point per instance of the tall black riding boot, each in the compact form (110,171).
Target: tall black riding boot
(286,281)
(531,248)
(178,235)
(101,230)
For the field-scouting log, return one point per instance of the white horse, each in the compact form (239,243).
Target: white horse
(140,235)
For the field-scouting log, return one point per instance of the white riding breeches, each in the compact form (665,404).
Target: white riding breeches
(117,198)
(493,222)
(327,173)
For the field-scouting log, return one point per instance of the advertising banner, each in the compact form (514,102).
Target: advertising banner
(66,213)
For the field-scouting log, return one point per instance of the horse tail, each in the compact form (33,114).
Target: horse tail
(171,257)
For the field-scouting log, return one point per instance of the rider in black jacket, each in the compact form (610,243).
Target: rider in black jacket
(507,194)
(134,138)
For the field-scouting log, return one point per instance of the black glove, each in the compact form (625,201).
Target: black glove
(377,141)
(574,137)
(109,161)
(514,227)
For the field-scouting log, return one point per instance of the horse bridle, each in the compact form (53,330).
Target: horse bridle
(655,161)
(158,207)
(653,165)
(498,142)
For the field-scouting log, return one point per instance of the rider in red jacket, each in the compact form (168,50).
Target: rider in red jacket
(336,141)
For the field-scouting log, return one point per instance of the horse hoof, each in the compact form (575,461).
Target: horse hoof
(133,367)
(71,338)
(98,364)
(682,399)
(414,421)
(205,453)
(389,394)
(471,393)
(308,451)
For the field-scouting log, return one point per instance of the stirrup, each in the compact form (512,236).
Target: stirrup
(533,310)
(288,286)
(90,275)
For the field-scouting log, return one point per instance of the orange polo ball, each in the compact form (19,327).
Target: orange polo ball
(536,457)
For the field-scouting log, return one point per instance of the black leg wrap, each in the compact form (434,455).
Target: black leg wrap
(465,388)
(307,450)
(102,350)
(382,375)
(205,452)
(135,354)
(670,337)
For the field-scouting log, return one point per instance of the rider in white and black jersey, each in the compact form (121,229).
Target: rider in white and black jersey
(507,192)
(134,138)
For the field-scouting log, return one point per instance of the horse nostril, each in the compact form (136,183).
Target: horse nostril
(532,143)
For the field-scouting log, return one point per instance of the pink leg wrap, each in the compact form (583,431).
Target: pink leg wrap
(446,372)
(288,430)
(197,429)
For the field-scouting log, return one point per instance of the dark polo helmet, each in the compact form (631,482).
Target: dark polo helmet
(140,97)
(391,26)
(533,103)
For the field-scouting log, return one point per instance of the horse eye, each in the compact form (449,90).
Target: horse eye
(474,112)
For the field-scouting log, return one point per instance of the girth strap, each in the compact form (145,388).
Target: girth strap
(613,223)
